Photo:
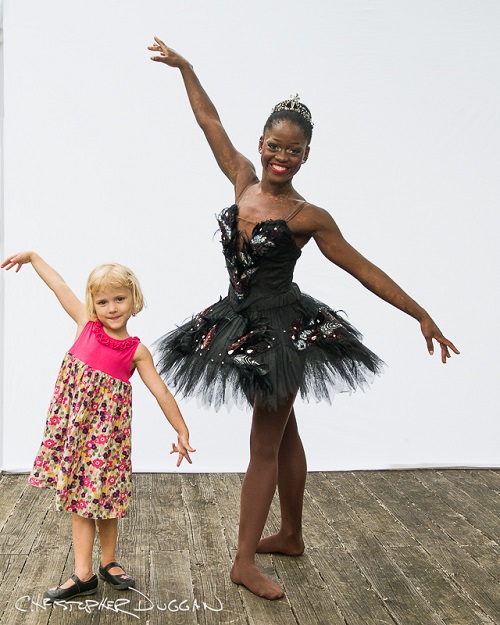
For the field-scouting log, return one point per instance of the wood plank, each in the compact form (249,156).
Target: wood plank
(371,511)
(21,528)
(401,598)
(227,489)
(433,511)
(325,499)
(212,585)
(210,562)
(477,514)
(306,591)
(478,485)
(357,600)
(437,588)
(493,476)
(167,520)
(382,548)
(474,581)
(11,491)
(171,589)
(11,567)
(134,530)
(262,612)
(488,557)
(317,533)
(47,561)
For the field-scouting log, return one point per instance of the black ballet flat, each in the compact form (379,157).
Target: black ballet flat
(121,581)
(79,588)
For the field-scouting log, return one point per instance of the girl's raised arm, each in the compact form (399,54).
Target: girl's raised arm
(71,304)
(234,165)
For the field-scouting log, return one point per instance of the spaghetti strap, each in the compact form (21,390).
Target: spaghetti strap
(296,211)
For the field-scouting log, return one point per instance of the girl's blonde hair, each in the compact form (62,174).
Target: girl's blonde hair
(112,275)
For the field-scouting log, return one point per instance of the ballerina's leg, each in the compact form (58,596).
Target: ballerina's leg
(257,492)
(292,472)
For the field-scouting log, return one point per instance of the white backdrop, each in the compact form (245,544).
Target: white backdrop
(103,161)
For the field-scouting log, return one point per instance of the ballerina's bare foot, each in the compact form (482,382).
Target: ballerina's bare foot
(277,543)
(256,582)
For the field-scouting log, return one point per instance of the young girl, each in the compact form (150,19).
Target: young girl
(85,453)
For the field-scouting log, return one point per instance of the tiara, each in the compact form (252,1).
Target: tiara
(294,104)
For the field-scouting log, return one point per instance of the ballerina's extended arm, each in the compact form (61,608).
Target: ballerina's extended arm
(333,245)
(233,164)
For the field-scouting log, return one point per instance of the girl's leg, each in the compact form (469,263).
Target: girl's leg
(108,534)
(257,493)
(83,541)
(292,472)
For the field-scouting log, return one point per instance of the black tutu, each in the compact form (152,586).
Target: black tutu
(266,340)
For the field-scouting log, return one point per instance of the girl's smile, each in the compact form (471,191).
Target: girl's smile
(114,306)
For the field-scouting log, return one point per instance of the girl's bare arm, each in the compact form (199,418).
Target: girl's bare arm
(68,300)
(144,363)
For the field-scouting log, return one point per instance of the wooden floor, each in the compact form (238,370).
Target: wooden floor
(383,548)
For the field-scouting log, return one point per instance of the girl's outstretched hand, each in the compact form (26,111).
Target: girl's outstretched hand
(19,259)
(432,332)
(182,448)
(167,55)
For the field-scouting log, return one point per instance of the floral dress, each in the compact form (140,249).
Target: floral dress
(85,453)
(266,340)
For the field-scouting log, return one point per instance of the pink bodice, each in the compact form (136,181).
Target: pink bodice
(104,353)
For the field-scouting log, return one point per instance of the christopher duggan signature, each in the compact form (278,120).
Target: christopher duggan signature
(131,606)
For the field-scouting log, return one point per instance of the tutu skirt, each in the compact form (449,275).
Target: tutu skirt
(266,352)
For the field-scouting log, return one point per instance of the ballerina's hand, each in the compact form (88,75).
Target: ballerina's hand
(167,55)
(182,448)
(19,259)
(432,332)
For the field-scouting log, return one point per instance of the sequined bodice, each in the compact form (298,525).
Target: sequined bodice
(260,266)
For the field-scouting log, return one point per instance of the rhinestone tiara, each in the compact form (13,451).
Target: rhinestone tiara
(294,104)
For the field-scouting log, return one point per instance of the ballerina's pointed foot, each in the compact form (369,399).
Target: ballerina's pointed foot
(256,582)
(278,543)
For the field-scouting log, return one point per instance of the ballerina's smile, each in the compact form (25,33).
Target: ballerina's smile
(278,169)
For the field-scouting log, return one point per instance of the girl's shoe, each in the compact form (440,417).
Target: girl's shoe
(79,588)
(121,581)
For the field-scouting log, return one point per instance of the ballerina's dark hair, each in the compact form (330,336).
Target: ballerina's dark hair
(292,110)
